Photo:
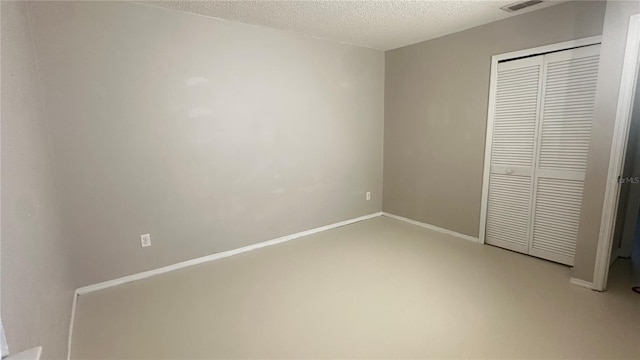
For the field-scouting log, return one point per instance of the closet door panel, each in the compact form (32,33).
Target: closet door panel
(567,111)
(565,128)
(509,211)
(556,219)
(517,100)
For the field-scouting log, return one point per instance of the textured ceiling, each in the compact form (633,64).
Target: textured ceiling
(382,25)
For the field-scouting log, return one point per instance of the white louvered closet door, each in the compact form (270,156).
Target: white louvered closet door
(566,114)
(540,135)
(515,120)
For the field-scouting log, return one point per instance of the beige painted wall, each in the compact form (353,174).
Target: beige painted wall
(436,98)
(36,282)
(207,134)
(614,36)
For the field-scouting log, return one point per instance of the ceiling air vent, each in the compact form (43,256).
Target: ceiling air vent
(520,5)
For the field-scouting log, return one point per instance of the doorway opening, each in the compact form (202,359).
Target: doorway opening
(624,261)
(619,221)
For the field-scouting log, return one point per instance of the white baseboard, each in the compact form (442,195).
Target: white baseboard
(143,275)
(433,227)
(582,283)
(71,322)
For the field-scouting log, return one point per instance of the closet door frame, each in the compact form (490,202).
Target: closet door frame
(495,59)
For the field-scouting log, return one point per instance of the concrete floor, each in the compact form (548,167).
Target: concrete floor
(375,289)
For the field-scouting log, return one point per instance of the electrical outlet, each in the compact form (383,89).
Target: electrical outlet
(368,195)
(145,240)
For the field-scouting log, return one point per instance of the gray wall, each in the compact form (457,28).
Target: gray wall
(614,37)
(436,98)
(207,134)
(36,281)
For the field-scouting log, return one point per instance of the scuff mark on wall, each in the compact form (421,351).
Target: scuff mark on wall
(196,80)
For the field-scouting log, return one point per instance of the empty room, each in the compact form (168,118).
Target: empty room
(320,179)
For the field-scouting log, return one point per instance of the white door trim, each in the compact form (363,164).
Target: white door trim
(495,59)
(618,148)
